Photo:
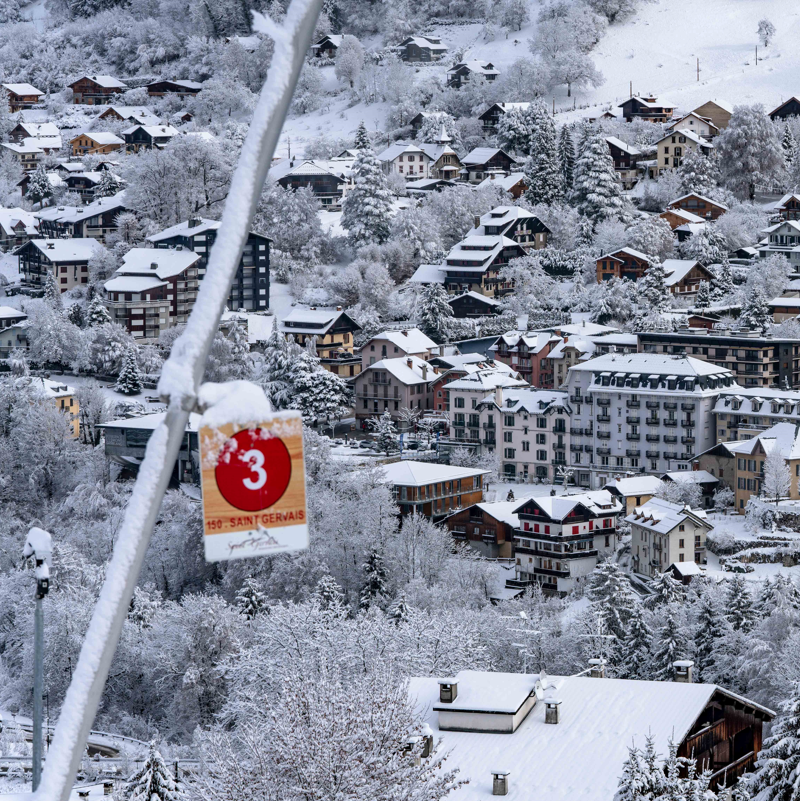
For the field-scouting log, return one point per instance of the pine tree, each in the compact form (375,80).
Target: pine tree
(386,435)
(777,767)
(434,313)
(666,590)
(671,644)
(130,379)
(97,314)
(52,294)
(108,185)
(723,282)
(375,579)
(739,604)
(399,611)
(367,208)
(710,628)
(275,372)
(329,594)
(610,591)
(755,313)
(39,186)
(542,170)
(596,191)
(567,159)
(704,298)
(635,648)
(250,599)
(315,392)
(699,173)
(152,782)
(514,131)
(362,140)
(75,315)
(652,289)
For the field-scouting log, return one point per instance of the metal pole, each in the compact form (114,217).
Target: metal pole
(181,378)
(38,682)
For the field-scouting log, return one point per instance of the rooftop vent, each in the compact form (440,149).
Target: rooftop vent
(193,222)
(51,245)
(597,668)
(552,710)
(154,265)
(500,782)
(683,670)
(447,690)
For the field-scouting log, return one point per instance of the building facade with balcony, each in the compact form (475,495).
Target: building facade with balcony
(66,259)
(392,385)
(745,413)
(560,538)
(641,412)
(527,352)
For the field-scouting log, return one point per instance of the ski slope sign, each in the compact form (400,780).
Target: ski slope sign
(254,488)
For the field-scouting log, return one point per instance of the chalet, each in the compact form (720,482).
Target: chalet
(392,385)
(396,344)
(44,135)
(415,49)
(663,532)
(94,142)
(327,47)
(433,490)
(95,220)
(491,117)
(146,137)
(486,527)
(701,126)
(328,181)
(13,337)
(514,183)
(54,178)
(606,115)
(66,259)
(526,352)
(472,304)
(742,413)
(624,157)
(678,217)
(464,71)
(93,90)
(85,183)
(785,308)
(646,108)
(21,96)
(173,88)
(705,480)
(443,161)
(634,491)
(559,538)
(482,162)
(718,112)
(624,263)
(332,331)
(475,264)
(515,223)
(789,207)
(251,287)
(10,317)
(417,121)
(671,149)
(782,239)
(790,108)
(27,154)
(683,277)
(699,205)
(138,115)
(422,186)
(17,226)
(62,396)
(153,290)
(477,718)
(405,159)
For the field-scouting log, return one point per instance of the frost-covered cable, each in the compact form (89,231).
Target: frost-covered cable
(179,383)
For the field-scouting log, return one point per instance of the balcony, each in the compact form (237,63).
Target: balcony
(669,439)
(488,426)
(632,420)
(577,432)
(603,418)
(633,437)
(669,405)
(632,404)
(670,455)
(588,448)
(651,404)
(652,421)
(558,462)
(652,437)
(687,440)
(576,448)
(559,430)
(574,398)
(632,452)
(688,407)
(604,402)
(602,451)
(670,423)
(488,441)
(687,456)
(588,399)
(688,423)
(588,431)
(652,454)
(604,434)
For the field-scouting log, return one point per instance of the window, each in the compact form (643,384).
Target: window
(575,529)
(681,543)
(681,526)
(507,436)
(526,446)
(458,403)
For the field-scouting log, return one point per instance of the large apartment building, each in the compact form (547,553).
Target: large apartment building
(744,413)
(641,412)
(755,360)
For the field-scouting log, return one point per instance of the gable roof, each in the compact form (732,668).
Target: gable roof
(423,42)
(139,114)
(506,182)
(410,340)
(691,477)
(691,135)
(313,321)
(626,148)
(634,485)
(629,252)
(409,370)
(697,116)
(11,218)
(410,473)
(648,102)
(393,151)
(153,131)
(483,67)
(721,104)
(531,400)
(73,214)
(476,296)
(663,516)
(481,155)
(779,204)
(106,81)
(782,435)
(700,197)
(101,137)
(168,262)
(558,507)
(22,89)
(59,250)
(782,105)
(483,380)
(684,215)
(678,269)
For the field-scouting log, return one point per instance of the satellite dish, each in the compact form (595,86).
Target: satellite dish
(538,690)
(544,680)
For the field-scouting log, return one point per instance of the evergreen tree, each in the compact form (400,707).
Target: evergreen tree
(634,654)
(434,313)
(739,604)
(777,766)
(514,131)
(755,313)
(52,293)
(666,590)
(610,591)
(710,628)
(699,173)
(250,599)
(315,392)
(367,208)
(723,282)
(399,611)
(153,781)
(596,191)
(375,579)
(75,315)
(542,170)
(275,372)
(329,594)
(652,289)
(362,140)
(704,298)
(386,435)
(97,314)
(108,185)
(707,246)
(671,643)
(567,159)
(130,379)
(39,186)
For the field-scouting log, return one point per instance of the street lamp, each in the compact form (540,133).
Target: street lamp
(39,545)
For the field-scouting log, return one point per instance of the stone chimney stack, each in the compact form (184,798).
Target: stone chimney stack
(598,668)
(476,221)
(552,710)
(683,671)
(500,782)
(447,690)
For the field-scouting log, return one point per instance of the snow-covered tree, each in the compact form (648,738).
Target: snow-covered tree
(739,603)
(596,191)
(707,246)
(433,124)
(543,173)
(709,630)
(39,186)
(610,591)
(666,590)
(251,599)
(671,643)
(567,159)
(317,393)
(765,31)
(108,184)
(75,314)
(685,492)
(750,151)
(153,781)
(699,173)
(776,484)
(723,282)
(349,60)
(52,293)
(703,299)
(755,313)
(632,661)
(385,432)
(367,207)
(653,291)
(375,579)
(514,130)
(274,374)
(129,381)
(96,313)
(514,14)
(434,314)
(652,236)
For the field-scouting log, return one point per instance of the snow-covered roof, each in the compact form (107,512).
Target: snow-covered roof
(700,197)
(476,296)
(144,116)
(757,401)
(558,507)
(26,146)
(310,321)
(635,485)
(153,131)
(705,120)
(629,252)
(691,135)
(409,340)
(11,218)
(259,327)
(779,204)
(422,41)
(160,262)
(785,436)
(184,229)
(106,81)
(10,313)
(530,400)
(691,477)
(579,758)
(409,473)
(409,370)
(435,151)
(484,380)
(791,223)
(648,102)
(624,146)
(482,67)
(399,148)
(652,363)
(41,130)
(678,269)
(685,215)
(311,167)
(535,341)
(687,568)
(133,283)
(481,155)
(51,389)
(151,422)
(663,516)
(500,510)
(58,250)
(22,89)
(72,214)
(335,39)
(478,249)
(506,182)
(101,137)
(428,274)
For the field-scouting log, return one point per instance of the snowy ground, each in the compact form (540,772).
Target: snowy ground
(108,389)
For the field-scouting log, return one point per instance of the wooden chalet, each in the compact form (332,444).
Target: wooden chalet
(699,125)
(21,96)
(137,115)
(17,226)
(718,112)
(678,217)
(146,137)
(95,143)
(173,88)
(646,108)
(514,183)
(492,116)
(486,527)
(326,185)
(683,277)
(475,263)
(790,108)
(93,90)
(464,71)
(624,263)
(93,221)
(327,47)
(516,223)
(332,331)
(66,259)
(472,304)
(699,205)
(788,207)
(625,158)
(481,162)
(421,49)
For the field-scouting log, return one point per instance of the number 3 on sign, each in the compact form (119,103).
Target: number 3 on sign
(256,459)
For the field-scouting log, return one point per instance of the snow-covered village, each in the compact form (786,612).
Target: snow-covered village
(399,400)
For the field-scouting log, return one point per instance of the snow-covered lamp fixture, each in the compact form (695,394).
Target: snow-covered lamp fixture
(447,690)
(500,782)
(683,671)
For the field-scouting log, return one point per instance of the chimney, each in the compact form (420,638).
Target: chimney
(683,671)
(108,788)
(428,741)
(447,690)
(499,396)
(552,710)
(500,782)
(597,668)
(193,222)
(51,245)
(339,308)
(405,333)
(409,362)
(425,372)
(476,221)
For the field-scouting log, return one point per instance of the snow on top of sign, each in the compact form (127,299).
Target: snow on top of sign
(238,402)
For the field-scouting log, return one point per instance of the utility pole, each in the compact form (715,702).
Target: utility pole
(631,91)
(756,56)
(39,546)
(697,69)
